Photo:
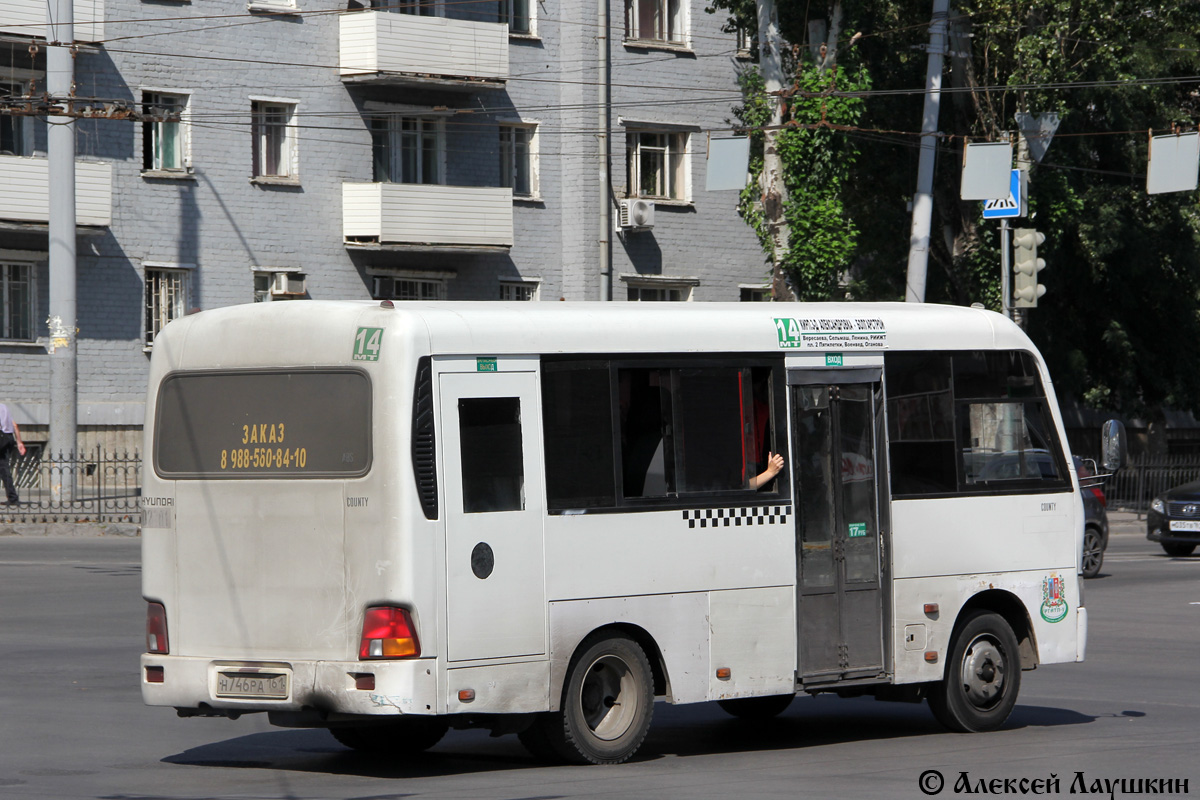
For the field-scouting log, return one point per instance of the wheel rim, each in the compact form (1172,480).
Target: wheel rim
(608,698)
(1091,551)
(983,672)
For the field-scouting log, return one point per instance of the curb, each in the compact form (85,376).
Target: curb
(74,530)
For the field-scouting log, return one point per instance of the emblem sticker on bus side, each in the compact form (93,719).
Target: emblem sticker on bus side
(367,343)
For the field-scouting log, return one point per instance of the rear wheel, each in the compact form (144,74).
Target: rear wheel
(983,676)
(759,708)
(607,704)
(412,735)
(1178,549)
(1093,552)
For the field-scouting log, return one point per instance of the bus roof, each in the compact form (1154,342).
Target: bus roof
(322,332)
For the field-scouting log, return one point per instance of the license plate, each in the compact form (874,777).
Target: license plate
(271,685)
(1185,524)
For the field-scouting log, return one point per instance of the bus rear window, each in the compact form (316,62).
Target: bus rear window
(263,424)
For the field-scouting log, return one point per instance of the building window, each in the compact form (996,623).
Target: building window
(262,286)
(406,149)
(655,21)
(423,8)
(517,14)
(398,287)
(165,137)
(518,159)
(519,290)
(274,139)
(13,138)
(674,294)
(755,294)
(744,43)
(16,300)
(657,164)
(166,299)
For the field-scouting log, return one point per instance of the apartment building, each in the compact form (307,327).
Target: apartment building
(401,149)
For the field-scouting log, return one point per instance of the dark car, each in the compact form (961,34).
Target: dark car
(1095,518)
(1174,519)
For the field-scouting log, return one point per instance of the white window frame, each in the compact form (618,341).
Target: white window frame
(759,293)
(744,43)
(420,8)
(520,289)
(508,162)
(289,155)
(151,163)
(30,270)
(509,12)
(409,285)
(158,308)
(666,145)
(668,20)
(659,288)
(422,129)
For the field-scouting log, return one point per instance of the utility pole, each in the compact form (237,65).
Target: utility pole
(922,211)
(60,147)
(774,191)
(603,64)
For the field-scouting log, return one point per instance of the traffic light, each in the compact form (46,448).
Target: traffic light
(1026,266)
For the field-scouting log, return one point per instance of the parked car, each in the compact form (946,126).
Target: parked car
(1174,519)
(1095,518)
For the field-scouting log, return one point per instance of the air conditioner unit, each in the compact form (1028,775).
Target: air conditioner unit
(288,284)
(636,215)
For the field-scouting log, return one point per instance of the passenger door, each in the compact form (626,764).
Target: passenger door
(839,535)
(495,507)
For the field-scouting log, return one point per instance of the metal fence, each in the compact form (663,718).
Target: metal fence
(93,486)
(1145,477)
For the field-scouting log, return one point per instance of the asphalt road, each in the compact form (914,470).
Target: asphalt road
(72,724)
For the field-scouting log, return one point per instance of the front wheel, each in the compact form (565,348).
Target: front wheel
(1178,549)
(1093,552)
(607,703)
(983,676)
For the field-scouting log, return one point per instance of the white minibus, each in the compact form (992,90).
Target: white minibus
(393,519)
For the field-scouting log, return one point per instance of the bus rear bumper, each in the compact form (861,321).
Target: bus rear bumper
(232,687)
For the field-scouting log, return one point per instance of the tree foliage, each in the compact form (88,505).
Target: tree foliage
(1123,275)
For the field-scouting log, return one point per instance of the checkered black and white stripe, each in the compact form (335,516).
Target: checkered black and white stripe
(736,517)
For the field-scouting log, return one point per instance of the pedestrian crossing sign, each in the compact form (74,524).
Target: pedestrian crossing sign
(1006,207)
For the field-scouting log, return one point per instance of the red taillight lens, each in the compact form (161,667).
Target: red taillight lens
(1100,496)
(388,633)
(156,629)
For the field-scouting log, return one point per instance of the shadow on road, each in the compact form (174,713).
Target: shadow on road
(678,731)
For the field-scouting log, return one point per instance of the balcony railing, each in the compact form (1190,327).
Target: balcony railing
(28,18)
(448,217)
(25,190)
(386,47)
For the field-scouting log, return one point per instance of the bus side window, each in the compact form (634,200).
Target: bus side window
(492,470)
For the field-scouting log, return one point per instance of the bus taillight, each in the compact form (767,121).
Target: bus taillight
(156,629)
(388,633)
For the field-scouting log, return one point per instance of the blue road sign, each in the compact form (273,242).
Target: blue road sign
(1006,207)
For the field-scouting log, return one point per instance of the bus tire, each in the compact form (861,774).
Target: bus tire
(400,738)
(607,705)
(983,676)
(757,708)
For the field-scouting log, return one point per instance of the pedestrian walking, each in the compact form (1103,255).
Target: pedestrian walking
(10,437)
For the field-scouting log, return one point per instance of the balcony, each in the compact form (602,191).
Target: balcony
(27,18)
(25,191)
(406,216)
(405,49)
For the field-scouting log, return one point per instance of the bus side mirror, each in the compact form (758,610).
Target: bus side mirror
(1112,445)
